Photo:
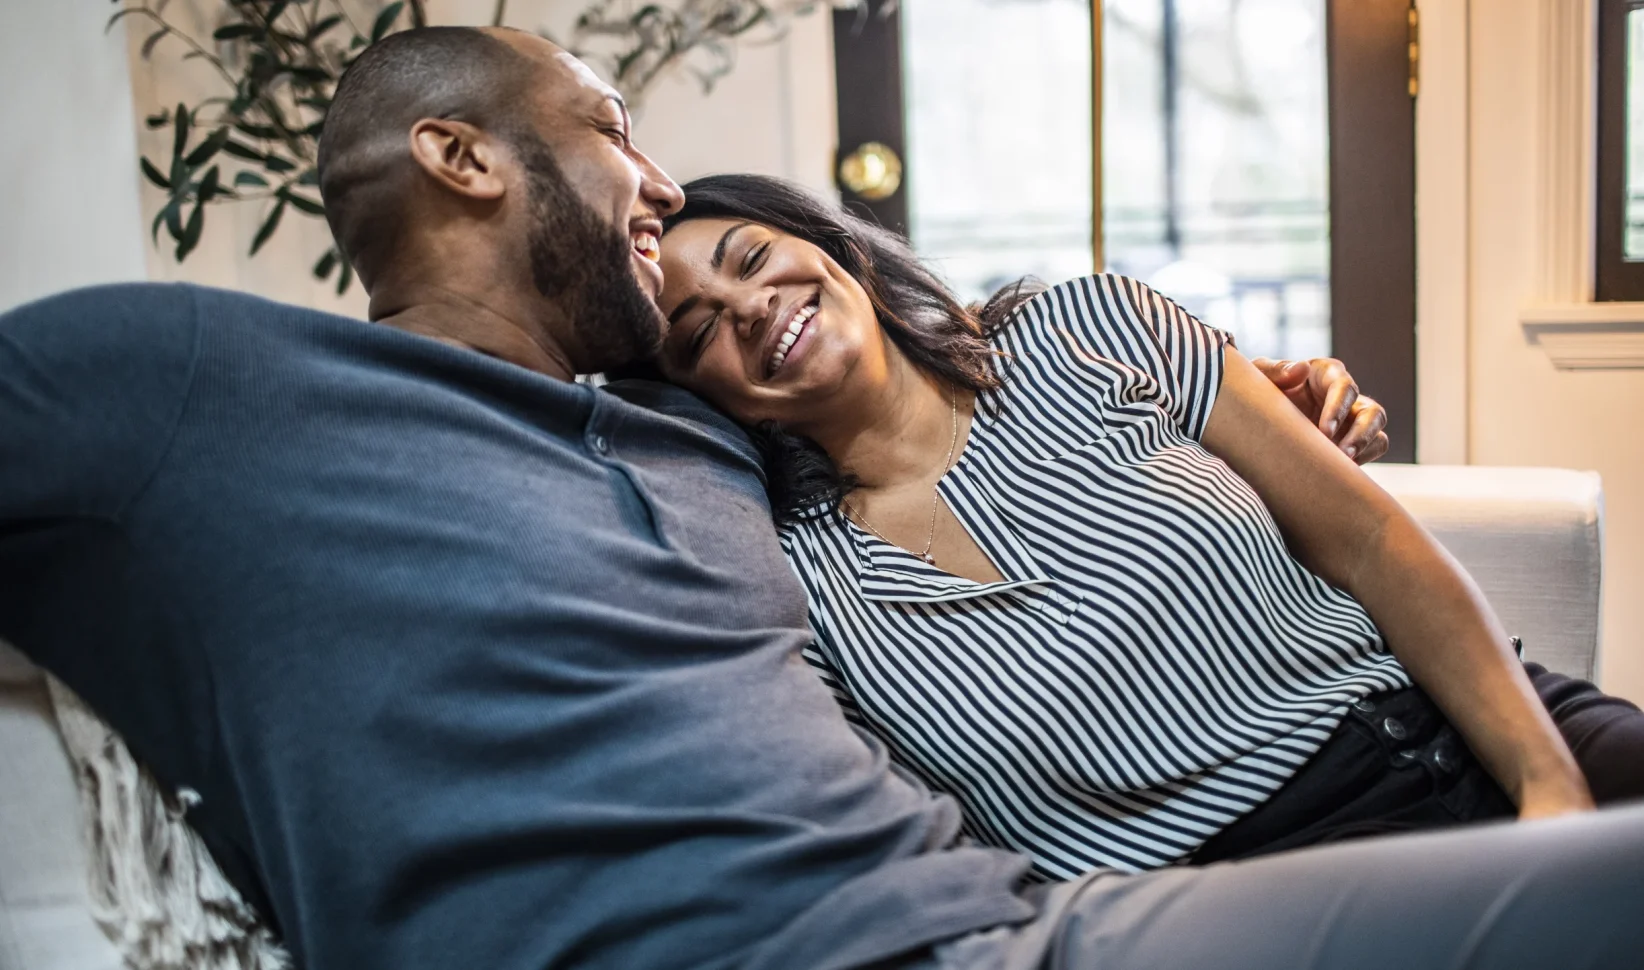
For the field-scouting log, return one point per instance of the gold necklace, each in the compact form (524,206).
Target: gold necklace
(935,495)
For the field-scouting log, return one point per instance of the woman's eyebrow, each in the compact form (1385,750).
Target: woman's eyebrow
(719,250)
(685,306)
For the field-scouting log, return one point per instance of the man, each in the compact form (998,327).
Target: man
(475,666)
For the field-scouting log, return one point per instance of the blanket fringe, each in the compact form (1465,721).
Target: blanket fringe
(156,892)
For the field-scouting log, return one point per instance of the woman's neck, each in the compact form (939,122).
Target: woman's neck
(894,431)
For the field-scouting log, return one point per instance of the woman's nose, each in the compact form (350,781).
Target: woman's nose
(751,308)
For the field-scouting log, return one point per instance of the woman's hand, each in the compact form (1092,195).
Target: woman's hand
(1323,391)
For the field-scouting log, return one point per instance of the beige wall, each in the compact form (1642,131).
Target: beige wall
(1521,411)
(68,172)
(774,114)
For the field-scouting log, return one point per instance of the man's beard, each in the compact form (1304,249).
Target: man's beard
(585,267)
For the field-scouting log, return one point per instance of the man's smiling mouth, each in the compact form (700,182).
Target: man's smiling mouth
(647,245)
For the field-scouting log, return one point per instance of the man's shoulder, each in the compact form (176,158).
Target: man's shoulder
(675,402)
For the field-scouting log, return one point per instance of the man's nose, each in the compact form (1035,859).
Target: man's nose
(658,189)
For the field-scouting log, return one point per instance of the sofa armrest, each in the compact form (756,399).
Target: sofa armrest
(1532,538)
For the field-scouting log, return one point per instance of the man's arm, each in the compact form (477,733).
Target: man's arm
(92,382)
(1326,394)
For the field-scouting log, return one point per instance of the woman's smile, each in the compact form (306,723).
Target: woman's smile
(792,340)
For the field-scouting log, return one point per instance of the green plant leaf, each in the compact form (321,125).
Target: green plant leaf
(327,263)
(278,165)
(191,232)
(310,177)
(345,277)
(207,149)
(158,120)
(269,225)
(302,202)
(322,25)
(174,216)
(312,75)
(159,219)
(180,140)
(250,178)
(154,38)
(256,130)
(277,9)
(236,31)
(386,19)
(240,151)
(154,174)
(211,185)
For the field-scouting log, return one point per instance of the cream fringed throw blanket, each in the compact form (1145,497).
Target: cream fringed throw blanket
(155,890)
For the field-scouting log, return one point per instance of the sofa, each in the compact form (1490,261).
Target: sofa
(1532,538)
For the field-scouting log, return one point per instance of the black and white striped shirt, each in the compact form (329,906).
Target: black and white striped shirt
(1154,665)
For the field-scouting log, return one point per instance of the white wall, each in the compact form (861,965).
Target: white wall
(773,114)
(68,171)
(1522,411)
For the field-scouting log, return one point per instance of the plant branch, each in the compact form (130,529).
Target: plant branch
(174,32)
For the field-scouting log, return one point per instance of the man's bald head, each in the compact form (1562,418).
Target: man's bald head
(462,74)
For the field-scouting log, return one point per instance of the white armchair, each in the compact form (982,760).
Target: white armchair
(1532,537)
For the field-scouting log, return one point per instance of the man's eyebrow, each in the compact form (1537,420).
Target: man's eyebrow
(685,306)
(719,250)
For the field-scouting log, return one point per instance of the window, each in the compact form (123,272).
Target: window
(1619,248)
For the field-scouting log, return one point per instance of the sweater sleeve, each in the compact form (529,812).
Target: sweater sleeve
(92,384)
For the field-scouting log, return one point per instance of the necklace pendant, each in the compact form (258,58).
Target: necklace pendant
(929,558)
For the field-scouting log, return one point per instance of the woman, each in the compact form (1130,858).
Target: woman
(1085,569)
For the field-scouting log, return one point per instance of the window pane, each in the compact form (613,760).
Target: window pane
(999,138)
(1633,247)
(1215,163)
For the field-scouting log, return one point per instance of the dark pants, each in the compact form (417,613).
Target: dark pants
(1397,765)
(1564,892)
(1558,893)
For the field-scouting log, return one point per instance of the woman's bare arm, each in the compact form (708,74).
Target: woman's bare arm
(1355,536)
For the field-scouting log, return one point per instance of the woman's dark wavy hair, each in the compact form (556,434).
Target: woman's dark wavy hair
(941,336)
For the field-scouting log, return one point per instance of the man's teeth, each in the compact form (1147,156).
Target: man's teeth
(794,329)
(647,245)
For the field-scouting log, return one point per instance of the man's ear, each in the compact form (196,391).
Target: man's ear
(459,157)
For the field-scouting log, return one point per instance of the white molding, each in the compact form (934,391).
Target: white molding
(1566,139)
(1575,332)
(1586,317)
(1591,346)
(1588,336)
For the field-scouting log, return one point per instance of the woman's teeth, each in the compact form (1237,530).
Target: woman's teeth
(647,246)
(795,327)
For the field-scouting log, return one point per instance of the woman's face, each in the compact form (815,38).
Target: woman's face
(765,325)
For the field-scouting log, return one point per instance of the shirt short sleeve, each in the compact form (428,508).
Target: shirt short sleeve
(1096,319)
(92,384)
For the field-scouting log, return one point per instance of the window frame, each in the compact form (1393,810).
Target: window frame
(1615,278)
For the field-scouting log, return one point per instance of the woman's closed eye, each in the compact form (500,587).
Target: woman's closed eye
(754,259)
(701,337)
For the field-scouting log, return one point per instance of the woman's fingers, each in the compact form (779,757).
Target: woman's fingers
(1336,389)
(1364,438)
